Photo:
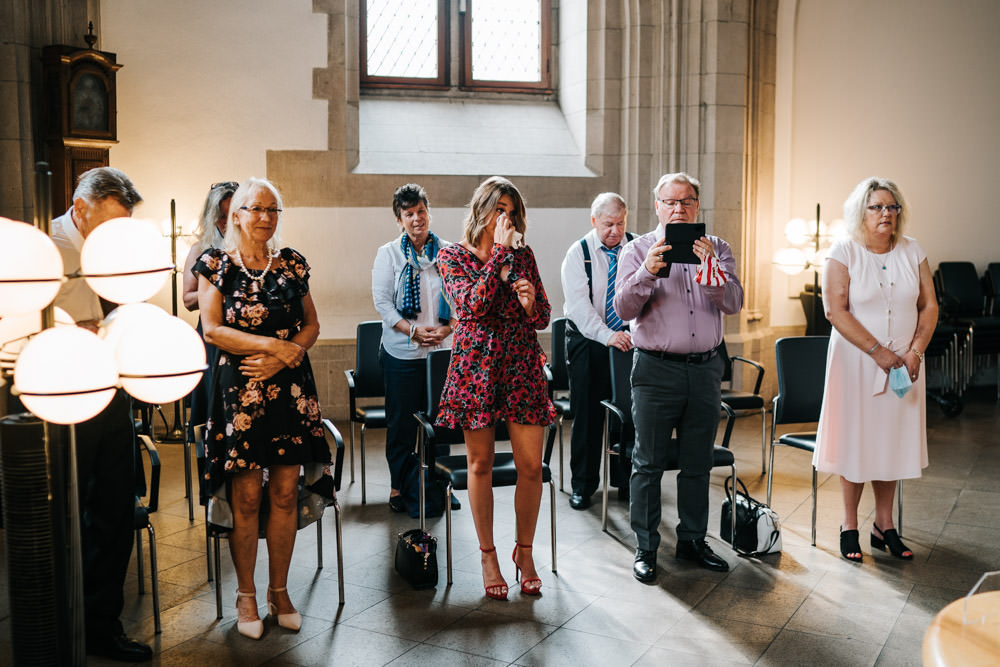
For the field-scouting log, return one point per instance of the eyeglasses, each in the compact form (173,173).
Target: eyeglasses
(891,208)
(260,210)
(225,185)
(687,202)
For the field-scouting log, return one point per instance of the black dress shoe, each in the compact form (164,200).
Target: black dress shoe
(701,553)
(644,568)
(120,648)
(579,502)
(396,503)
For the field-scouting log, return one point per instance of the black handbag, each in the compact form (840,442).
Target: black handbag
(416,558)
(758,529)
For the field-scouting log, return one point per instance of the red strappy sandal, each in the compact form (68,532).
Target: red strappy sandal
(495,591)
(532,586)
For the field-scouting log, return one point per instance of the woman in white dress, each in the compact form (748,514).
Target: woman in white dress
(879,296)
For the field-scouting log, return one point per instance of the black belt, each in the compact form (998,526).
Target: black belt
(696,358)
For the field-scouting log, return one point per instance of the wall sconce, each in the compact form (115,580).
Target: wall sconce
(809,244)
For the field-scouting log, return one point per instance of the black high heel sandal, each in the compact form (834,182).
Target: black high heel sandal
(890,539)
(849,544)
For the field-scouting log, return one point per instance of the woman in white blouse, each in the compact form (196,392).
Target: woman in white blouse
(416,319)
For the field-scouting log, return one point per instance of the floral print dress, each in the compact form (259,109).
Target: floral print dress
(496,371)
(254,424)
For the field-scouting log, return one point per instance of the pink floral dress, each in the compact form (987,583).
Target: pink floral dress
(496,365)
(255,424)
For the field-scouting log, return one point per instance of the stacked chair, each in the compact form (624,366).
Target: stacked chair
(963,301)
(745,403)
(365,381)
(558,369)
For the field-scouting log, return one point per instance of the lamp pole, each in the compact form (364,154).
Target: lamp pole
(176,433)
(815,308)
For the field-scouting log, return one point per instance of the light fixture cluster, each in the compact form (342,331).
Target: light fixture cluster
(809,244)
(68,374)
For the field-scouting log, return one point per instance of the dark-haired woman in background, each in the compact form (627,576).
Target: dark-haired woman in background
(496,372)
(406,288)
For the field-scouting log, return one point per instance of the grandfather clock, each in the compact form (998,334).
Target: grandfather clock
(80,113)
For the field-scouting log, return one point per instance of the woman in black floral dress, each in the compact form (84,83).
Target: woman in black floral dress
(496,372)
(264,414)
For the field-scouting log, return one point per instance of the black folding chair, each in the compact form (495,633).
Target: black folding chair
(746,403)
(365,381)
(559,383)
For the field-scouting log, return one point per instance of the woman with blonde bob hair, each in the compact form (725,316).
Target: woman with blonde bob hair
(496,372)
(264,413)
(879,297)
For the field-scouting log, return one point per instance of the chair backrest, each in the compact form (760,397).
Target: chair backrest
(727,369)
(621,381)
(993,286)
(961,289)
(800,362)
(338,452)
(438,362)
(368,381)
(560,372)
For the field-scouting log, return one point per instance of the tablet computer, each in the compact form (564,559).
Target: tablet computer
(681,237)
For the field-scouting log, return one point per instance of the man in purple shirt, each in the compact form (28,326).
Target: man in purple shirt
(676,374)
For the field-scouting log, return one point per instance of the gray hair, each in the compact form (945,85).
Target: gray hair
(857,203)
(231,241)
(208,233)
(103,182)
(607,203)
(679,177)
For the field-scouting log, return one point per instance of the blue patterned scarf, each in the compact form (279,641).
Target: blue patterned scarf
(408,286)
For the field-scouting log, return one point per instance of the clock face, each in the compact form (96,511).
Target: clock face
(90,104)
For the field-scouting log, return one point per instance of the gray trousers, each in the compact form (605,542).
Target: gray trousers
(669,395)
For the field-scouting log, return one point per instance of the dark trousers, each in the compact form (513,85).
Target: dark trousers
(105,459)
(669,395)
(405,393)
(589,384)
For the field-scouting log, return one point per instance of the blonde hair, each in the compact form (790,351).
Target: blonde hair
(484,204)
(208,233)
(231,241)
(857,204)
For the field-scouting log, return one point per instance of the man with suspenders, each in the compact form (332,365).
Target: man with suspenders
(588,275)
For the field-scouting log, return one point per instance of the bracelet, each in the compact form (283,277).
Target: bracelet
(413,329)
(874,347)
(920,355)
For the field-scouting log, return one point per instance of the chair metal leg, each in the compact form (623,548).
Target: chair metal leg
(187,480)
(552,513)
(732,507)
(763,440)
(319,544)
(607,463)
(814,509)
(138,560)
(218,578)
(351,424)
(447,523)
(770,474)
(364,498)
(208,548)
(154,578)
(899,505)
(560,453)
(340,552)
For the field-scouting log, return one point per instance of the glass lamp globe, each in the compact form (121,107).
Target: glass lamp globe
(161,363)
(66,375)
(799,232)
(126,260)
(790,261)
(135,317)
(27,255)
(15,329)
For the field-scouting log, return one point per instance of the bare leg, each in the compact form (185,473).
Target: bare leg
(247,493)
(480,447)
(885,493)
(852,497)
(526,442)
(282,524)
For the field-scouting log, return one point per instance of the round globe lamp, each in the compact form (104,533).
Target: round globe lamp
(65,375)
(126,260)
(15,331)
(790,260)
(31,270)
(137,318)
(162,363)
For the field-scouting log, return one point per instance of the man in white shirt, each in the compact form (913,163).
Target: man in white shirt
(588,274)
(106,443)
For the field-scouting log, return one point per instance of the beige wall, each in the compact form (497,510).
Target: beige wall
(907,89)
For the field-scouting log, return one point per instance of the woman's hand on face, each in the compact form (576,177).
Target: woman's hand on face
(261,367)
(289,353)
(503,231)
(525,294)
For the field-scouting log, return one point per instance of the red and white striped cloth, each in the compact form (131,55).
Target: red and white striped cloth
(710,273)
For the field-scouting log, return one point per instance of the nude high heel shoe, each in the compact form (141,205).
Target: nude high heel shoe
(252,629)
(290,621)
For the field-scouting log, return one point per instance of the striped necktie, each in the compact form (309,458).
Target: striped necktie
(610,316)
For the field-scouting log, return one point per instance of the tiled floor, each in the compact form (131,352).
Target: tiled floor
(806,605)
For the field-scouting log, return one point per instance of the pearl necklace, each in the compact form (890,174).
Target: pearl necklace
(246,271)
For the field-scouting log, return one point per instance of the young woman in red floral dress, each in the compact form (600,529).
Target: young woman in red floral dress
(496,372)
